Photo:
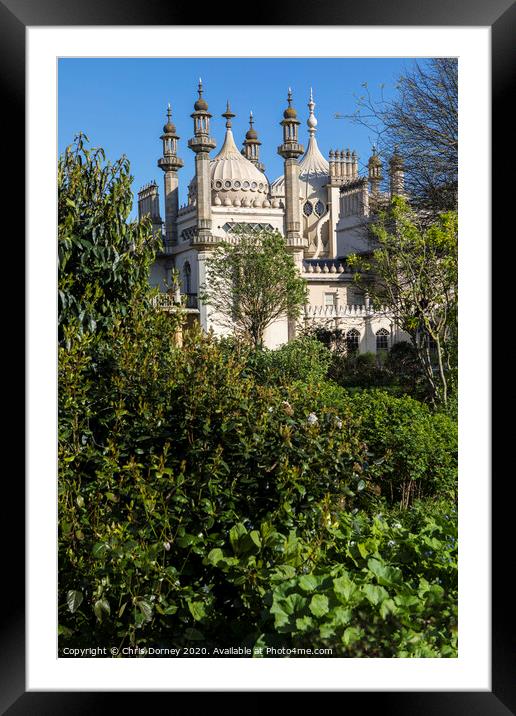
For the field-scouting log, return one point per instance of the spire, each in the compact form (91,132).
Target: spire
(169,112)
(228,114)
(311,121)
(251,145)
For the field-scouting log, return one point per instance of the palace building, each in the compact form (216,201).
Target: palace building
(321,206)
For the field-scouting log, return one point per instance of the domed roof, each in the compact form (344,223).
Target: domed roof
(201,105)
(169,128)
(251,134)
(314,171)
(290,113)
(231,171)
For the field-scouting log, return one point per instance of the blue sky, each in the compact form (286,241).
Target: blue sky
(120,103)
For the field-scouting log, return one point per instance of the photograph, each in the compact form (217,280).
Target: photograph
(258,335)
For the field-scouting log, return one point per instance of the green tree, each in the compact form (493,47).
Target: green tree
(104,259)
(412,270)
(253,282)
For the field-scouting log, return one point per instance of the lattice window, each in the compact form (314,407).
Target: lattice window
(307,208)
(234,227)
(352,340)
(382,340)
(320,208)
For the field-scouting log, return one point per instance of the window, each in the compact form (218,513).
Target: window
(307,208)
(352,340)
(187,274)
(355,299)
(382,340)
(329,299)
(320,208)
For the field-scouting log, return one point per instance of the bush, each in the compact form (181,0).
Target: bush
(413,450)
(162,451)
(304,359)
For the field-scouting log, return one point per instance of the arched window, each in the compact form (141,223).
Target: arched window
(307,208)
(352,340)
(320,208)
(187,275)
(382,340)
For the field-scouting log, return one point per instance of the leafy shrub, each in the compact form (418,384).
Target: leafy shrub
(367,587)
(304,359)
(413,450)
(162,451)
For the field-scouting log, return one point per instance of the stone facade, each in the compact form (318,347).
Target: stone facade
(321,206)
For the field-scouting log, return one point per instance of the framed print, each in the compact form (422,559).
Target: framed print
(38,39)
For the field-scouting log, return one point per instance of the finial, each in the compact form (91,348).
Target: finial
(169,112)
(251,120)
(199,88)
(289,97)
(311,121)
(228,114)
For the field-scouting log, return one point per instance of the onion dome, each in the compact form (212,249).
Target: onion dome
(201,105)
(290,112)
(251,132)
(396,161)
(170,127)
(374,159)
(314,169)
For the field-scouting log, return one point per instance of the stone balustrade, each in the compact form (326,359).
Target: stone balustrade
(344,311)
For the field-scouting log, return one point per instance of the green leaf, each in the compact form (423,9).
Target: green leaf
(351,635)
(101,609)
(145,608)
(309,582)
(319,605)
(344,587)
(215,556)
(387,607)
(384,574)
(235,535)
(74,600)
(374,594)
(197,610)
(100,549)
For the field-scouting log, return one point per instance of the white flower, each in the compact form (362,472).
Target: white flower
(269,410)
(391,543)
(397,526)
(312,419)
(166,545)
(338,422)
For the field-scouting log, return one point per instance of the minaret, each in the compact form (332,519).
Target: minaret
(374,166)
(251,149)
(202,144)
(397,174)
(290,150)
(170,163)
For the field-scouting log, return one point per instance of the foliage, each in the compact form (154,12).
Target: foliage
(413,450)
(412,269)
(208,500)
(154,475)
(103,258)
(303,359)
(421,123)
(253,282)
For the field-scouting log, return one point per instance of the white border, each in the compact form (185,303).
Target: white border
(471,671)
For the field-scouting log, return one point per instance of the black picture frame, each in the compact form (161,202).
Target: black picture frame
(500,16)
